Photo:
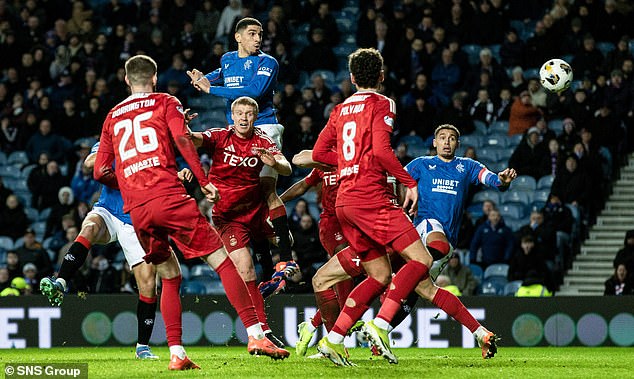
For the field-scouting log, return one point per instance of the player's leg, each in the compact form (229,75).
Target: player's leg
(94,230)
(279,218)
(262,252)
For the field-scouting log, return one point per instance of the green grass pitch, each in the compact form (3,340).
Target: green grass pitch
(235,362)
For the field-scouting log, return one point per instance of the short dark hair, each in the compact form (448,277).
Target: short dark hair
(245,22)
(140,69)
(366,65)
(446,127)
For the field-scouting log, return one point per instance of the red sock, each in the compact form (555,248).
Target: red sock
(362,295)
(258,303)
(452,306)
(316,320)
(328,306)
(171,310)
(343,290)
(237,292)
(82,240)
(402,285)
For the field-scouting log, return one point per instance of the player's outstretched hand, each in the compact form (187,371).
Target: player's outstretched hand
(185,175)
(211,193)
(507,176)
(199,81)
(265,156)
(304,159)
(189,117)
(411,201)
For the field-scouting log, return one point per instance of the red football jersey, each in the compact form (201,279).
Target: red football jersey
(359,130)
(235,170)
(139,134)
(329,188)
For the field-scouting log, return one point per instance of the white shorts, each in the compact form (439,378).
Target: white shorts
(124,233)
(429,225)
(274,131)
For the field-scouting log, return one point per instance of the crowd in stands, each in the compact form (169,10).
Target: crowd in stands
(473,64)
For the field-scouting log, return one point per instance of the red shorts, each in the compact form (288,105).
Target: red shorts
(350,262)
(238,234)
(178,217)
(330,234)
(370,230)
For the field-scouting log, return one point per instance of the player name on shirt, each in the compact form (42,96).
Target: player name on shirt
(133,106)
(351,109)
(141,165)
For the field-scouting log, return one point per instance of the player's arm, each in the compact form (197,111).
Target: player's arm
(276,160)
(102,171)
(500,181)
(89,162)
(304,159)
(325,147)
(263,81)
(301,187)
(196,137)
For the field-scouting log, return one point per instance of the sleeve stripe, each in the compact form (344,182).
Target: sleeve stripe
(483,175)
(392,105)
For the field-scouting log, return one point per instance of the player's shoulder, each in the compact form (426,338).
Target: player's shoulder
(468,161)
(260,134)
(229,55)
(421,161)
(94,148)
(267,58)
(218,132)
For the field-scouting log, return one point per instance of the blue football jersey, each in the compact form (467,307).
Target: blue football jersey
(443,187)
(254,76)
(111,199)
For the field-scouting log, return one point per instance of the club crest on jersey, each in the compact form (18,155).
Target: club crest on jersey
(338,236)
(247,64)
(460,167)
(389,121)
(180,109)
(233,240)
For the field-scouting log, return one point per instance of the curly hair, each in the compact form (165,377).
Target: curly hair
(366,65)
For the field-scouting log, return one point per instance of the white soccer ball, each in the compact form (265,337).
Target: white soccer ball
(555,75)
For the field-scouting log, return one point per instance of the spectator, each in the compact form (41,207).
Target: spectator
(487,206)
(619,283)
(568,137)
(71,233)
(4,194)
(512,50)
(33,252)
(523,114)
(11,136)
(555,155)
(572,186)
(65,205)
(317,55)
(457,115)
(402,155)
(418,119)
(13,220)
(305,138)
(300,209)
(533,286)
(616,57)
(14,266)
(625,256)
(529,258)
(589,60)
(206,21)
(29,272)
(503,105)
(45,184)
(307,246)
(529,157)
(445,78)
(444,282)
(461,276)
(102,276)
(83,185)
(325,21)
(45,141)
(5,281)
(542,235)
(493,242)
(483,109)
(227,18)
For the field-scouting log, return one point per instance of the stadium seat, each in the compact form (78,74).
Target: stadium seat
(481,128)
(194,287)
(18,243)
(495,51)
(18,158)
(184,272)
(475,210)
(497,269)
(511,287)
(545,182)
(524,183)
(202,271)
(492,195)
(120,257)
(541,195)
(556,125)
(537,205)
(310,196)
(531,73)
(3,158)
(512,210)
(343,50)
(3,255)
(21,185)
(44,213)
(473,53)
(514,223)
(25,198)
(32,214)
(513,196)
(497,166)
(346,25)
(515,140)
(493,286)
(10,171)
(327,75)
(214,287)
(477,272)
(497,140)
(489,154)
(39,228)
(471,140)
(26,171)
(500,127)
(605,47)
(6,243)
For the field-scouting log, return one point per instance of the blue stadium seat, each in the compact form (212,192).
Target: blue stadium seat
(605,47)
(556,125)
(346,25)
(3,158)
(489,154)
(194,287)
(3,256)
(497,269)
(541,195)
(18,158)
(21,185)
(493,286)
(512,210)
(202,271)
(6,243)
(475,210)
(477,272)
(18,243)
(310,196)
(25,198)
(214,287)
(514,223)
(10,171)
(512,196)
(412,140)
(537,205)
(343,50)
(524,183)
(495,51)
(471,140)
(327,75)
(39,228)
(515,140)
(511,287)
(531,73)
(481,128)
(492,195)
(473,53)
(497,166)
(44,213)
(32,214)
(497,140)
(500,127)
(505,154)
(184,272)
(545,182)
(26,171)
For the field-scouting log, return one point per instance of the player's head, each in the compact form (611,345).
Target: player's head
(249,36)
(446,140)
(140,71)
(244,112)
(366,68)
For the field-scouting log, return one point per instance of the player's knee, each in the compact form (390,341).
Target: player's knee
(438,249)
(385,278)
(318,282)
(90,231)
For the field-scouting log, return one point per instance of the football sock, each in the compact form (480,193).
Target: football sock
(449,303)
(343,289)
(328,306)
(178,350)
(404,311)
(255,331)
(402,285)
(74,258)
(362,296)
(237,293)
(280,226)
(258,303)
(315,322)
(145,313)
(262,252)
(335,337)
(171,310)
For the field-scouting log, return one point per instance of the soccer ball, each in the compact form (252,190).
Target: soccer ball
(555,75)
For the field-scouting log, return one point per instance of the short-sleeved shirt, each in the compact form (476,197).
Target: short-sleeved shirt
(235,170)
(329,186)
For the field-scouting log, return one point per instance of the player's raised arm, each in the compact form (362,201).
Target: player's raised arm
(301,187)
(326,144)
(262,82)
(304,159)
(277,161)
(102,171)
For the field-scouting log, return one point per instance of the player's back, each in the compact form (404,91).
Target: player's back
(143,146)
(443,188)
(363,181)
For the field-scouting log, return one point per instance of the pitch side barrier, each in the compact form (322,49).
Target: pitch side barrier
(109,320)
